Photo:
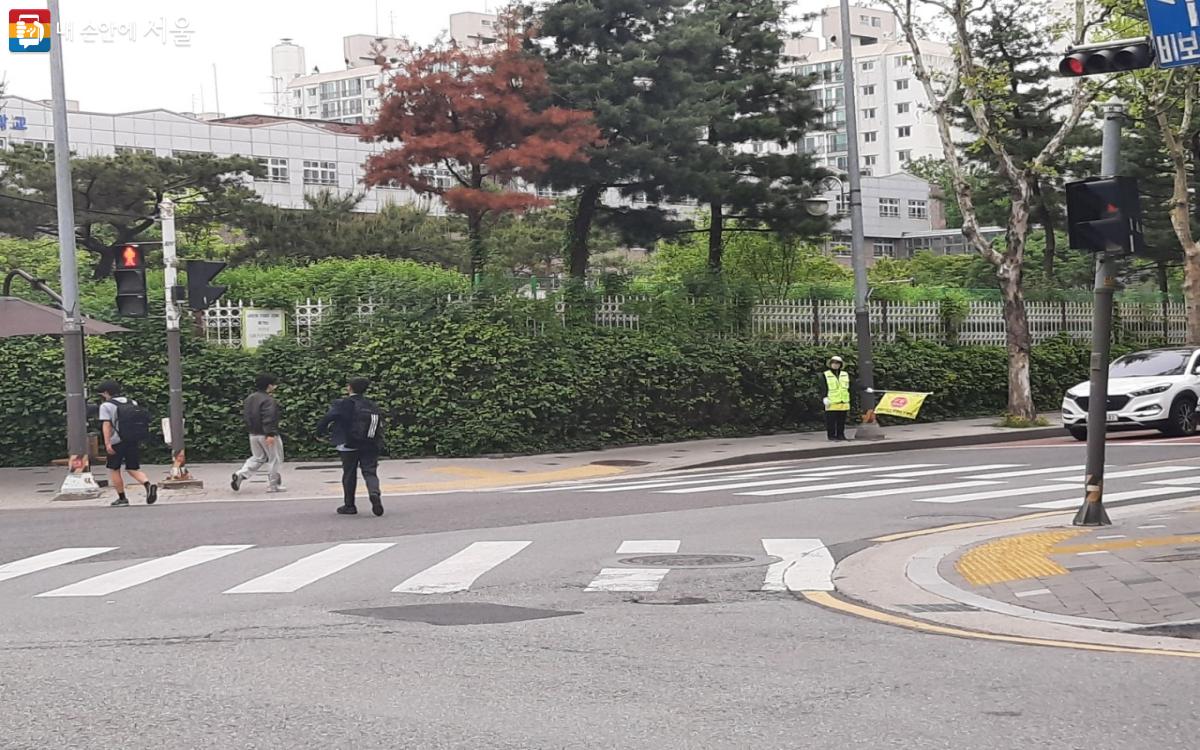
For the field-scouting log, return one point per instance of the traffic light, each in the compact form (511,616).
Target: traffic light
(1104,215)
(201,292)
(1110,57)
(130,275)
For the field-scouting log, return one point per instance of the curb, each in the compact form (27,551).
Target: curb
(883,446)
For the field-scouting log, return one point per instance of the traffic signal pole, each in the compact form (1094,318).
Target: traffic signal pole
(178,477)
(79,483)
(1092,512)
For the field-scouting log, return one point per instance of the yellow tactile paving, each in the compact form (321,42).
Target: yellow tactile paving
(481,479)
(1014,558)
(1115,544)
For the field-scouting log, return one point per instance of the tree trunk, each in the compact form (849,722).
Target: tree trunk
(1181,223)
(716,235)
(578,251)
(1046,218)
(1018,344)
(475,240)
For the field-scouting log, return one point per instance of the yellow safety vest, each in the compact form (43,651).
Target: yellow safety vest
(839,391)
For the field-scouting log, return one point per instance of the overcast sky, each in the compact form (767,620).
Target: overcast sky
(139,71)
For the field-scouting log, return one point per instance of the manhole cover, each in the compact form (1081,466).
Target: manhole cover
(620,462)
(457,613)
(691,561)
(1181,557)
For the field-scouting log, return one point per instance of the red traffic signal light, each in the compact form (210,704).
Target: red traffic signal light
(1111,57)
(131,257)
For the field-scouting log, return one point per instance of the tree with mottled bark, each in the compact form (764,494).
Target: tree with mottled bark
(972,80)
(483,117)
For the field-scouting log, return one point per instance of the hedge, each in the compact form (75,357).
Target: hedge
(470,383)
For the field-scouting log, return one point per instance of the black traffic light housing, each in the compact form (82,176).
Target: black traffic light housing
(201,292)
(130,274)
(1109,57)
(1104,214)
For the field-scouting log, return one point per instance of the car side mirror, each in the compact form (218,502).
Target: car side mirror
(1196,369)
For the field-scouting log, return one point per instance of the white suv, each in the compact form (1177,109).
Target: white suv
(1156,389)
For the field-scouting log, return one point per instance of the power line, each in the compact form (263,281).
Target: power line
(19,199)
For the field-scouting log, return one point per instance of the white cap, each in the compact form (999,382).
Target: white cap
(836,358)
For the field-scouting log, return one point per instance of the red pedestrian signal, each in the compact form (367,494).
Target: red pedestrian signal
(131,257)
(130,275)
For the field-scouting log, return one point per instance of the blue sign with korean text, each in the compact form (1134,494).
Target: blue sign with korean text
(17,123)
(1175,26)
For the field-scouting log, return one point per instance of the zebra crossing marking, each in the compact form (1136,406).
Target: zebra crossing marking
(905,490)
(949,470)
(824,487)
(1006,492)
(49,560)
(643,580)
(1115,497)
(804,565)
(119,580)
(459,571)
(310,569)
(1152,471)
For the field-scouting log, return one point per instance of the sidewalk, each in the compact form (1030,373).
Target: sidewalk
(33,487)
(1132,587)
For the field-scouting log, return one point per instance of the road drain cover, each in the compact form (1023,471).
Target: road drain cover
(1181,557)
(620,462)
(452,613)
(691,561)
(681,601)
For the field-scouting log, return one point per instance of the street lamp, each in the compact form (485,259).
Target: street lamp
(817,205)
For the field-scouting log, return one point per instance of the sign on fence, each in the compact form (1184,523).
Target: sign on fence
(258,325)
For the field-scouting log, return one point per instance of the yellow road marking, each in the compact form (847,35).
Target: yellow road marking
(482,479)
(965,525)
(1154,541)
(1014,558)
(827,600)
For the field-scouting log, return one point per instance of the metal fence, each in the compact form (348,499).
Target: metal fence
(803,321)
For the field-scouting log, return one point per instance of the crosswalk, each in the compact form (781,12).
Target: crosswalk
(786,565)
(1054,487)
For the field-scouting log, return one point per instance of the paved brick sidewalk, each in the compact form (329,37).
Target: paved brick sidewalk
(1140,571)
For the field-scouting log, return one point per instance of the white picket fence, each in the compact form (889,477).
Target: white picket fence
(803,321)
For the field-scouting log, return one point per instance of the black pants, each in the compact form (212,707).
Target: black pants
(352,462)
(835,424)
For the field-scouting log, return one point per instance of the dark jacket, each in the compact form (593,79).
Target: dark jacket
(336,423)
(260,412)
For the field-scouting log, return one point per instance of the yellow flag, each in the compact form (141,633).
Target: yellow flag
(900,404)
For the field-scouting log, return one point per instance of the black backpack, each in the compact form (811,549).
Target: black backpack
(366,425)
(133,422)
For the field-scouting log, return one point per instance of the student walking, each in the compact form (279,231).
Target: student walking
(355,426)
(125,425)
(261,414)
(835,391)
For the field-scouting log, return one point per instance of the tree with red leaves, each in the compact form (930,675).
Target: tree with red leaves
(480,115)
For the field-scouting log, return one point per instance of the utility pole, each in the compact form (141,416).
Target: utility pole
(869,429)
(79,483)
(179,477)
(1092,512)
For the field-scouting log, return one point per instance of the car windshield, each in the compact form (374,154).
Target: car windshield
(1149,364)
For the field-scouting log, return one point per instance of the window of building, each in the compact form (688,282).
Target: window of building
(864,19)
(369,83)
(904,156)
(903,108)
(298,112)
(870,113)
(312,111)
(884,249)
(839,246)
(297,94)
(329,89)
(869,160)
(812,144)
(842,203)
(876,21)
(889,208)
(904,131)
(870,136)
(46,147)
(918,209)
(320,173)
(902,61)
(757,147)
(312,92)
(352,87)
(865,172)
(869,89)
(902,84)
(277,169)
(134,150)
(867,66)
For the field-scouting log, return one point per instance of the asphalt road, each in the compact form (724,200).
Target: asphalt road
(141,646)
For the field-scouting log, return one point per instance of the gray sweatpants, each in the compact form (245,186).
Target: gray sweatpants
(262,455)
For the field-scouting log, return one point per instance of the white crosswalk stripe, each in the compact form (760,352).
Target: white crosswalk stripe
(49,560)
(1113,497)
(310,569)
(743,485)
(661,483)
(119,580)
(459,571)
(907,490)
(804,565)
(635,579)
(671,479)
(825,487)
(1032,472)
(1152,471)
(1177,481)
(950,470)
(1007,492)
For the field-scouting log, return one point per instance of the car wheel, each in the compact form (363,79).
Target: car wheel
(1079,433)
(1182,419)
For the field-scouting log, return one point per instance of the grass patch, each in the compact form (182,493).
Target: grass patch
(1021,423)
